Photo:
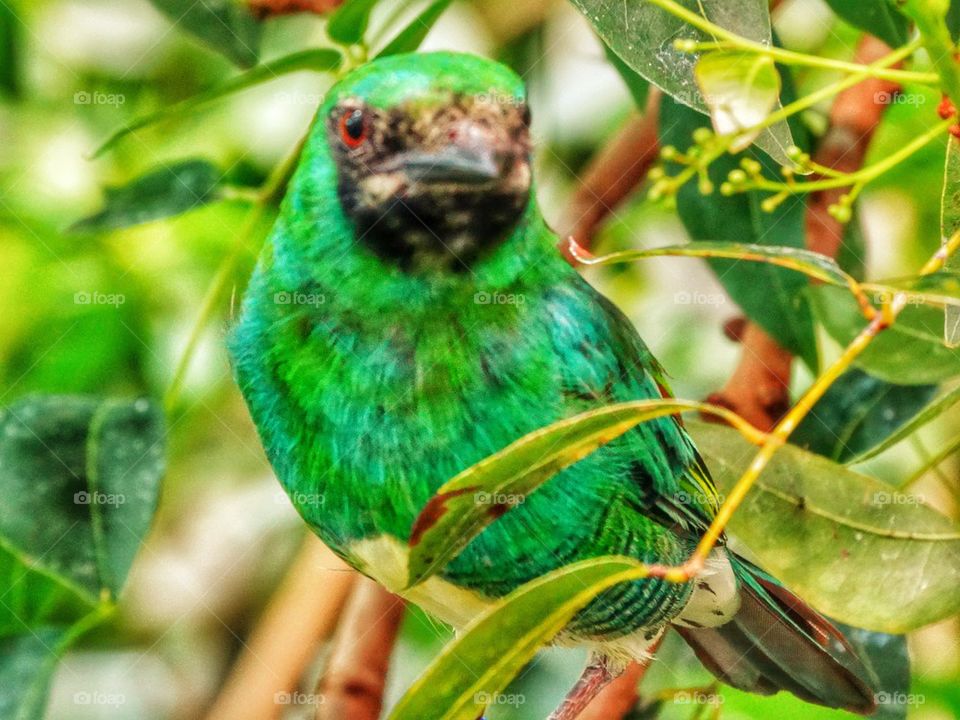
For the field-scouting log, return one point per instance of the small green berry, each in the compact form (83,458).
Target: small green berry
(737,177)
(727,189)
(668,152)
(702,135)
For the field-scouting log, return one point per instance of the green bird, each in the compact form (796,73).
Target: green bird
(411,315)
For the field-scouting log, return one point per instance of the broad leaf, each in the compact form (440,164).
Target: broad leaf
(26,667)
(857,413)
(92,469)
(928,414)
(9,51)
(740,89)
(495,647)
(320,60)
(224,25)
(877,17)
(637,85)
(912,351)
(349,23)
(167,191)
(409,39)
(949,226)
(465,505)
(772,297)
(848,544)
(643,35)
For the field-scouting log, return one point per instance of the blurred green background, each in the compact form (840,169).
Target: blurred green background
(108,313)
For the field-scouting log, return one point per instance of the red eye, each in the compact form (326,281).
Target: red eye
(354,128)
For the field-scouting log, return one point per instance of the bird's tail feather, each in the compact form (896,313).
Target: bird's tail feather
(777,642)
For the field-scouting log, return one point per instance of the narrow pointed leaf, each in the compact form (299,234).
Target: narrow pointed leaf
(643,35)
(320,60)
(949,226)
(410,37)
(349,23)
(857,413)
(226,26)
(928,414)
(167,191)
(495,648)
(850,545)
(912,351)
(740,89)
(465,505)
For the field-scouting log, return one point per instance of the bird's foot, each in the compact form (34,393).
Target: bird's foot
(595,676)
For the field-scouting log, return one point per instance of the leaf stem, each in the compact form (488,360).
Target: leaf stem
(262,199)
(788,57)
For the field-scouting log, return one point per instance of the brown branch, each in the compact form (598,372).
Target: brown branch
(303,612)
(269,8)
(353,682)
(612,175)
(759,387)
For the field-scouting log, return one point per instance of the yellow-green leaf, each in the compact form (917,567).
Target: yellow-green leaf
(740,89)
(495,647)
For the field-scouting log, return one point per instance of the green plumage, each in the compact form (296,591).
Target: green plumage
(373,382)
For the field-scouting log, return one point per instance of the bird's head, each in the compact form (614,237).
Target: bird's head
(432,155)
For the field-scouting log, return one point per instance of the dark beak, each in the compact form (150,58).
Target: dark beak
(453,164)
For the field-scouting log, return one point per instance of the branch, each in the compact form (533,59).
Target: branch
(269,8)
(758,390)
(303,612)
(352,685)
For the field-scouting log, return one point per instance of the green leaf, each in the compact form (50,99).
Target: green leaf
(26,668)
(877,17)
(857,413)
(409,39)
(637,85)
(772,297)
(167,191)
(92,469)
(9,51)
(912,351)
(848,544)
(949,226)
(224,25)
(349,23)
(643,34)
(740,89)
(319,60)
(465,505)
(495,647)
(929,413)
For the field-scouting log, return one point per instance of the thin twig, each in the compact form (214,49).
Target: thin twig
(302,613)
(270,8)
